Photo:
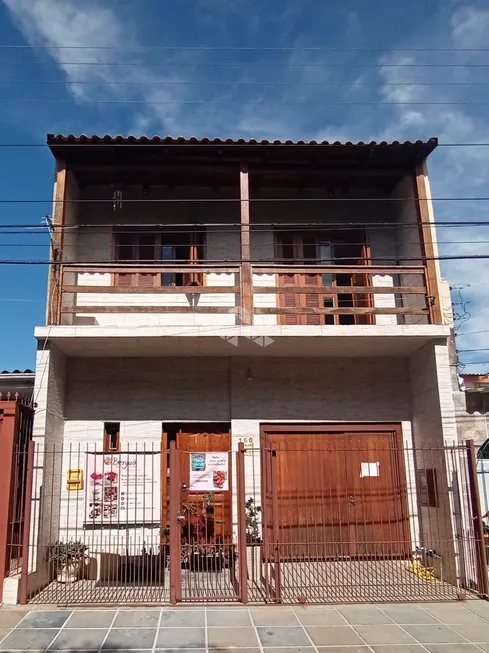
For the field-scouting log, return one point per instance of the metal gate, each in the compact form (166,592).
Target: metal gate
(294,533)
(16,422)
(100,534)
(420,538)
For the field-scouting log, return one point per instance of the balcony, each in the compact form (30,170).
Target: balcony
(219,295)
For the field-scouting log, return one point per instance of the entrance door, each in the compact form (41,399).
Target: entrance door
(208,518)
(339,493)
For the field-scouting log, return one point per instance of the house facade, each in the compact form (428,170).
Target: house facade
(283,300)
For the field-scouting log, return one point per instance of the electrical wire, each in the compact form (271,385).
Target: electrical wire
(206,102)
(240,64)
(254,48)
(233,82)
(257,262)
(336,243)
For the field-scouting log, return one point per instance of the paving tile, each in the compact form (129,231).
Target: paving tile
(473,632)
(347,649)
(453,614)
(274,616)
(480,608)
(126,638)
(297,649)
(79,638)
(408,614)
(28,640)
(226,637)
(318,616)
(4,632)
(452,648)
(228,618)
(384,635)
(363,615)
(10,618)
(180,638)
(137,619)
(277,636)
(184,650)
(434,634)
(406,648)
(45,619)
(91,619)
(125,650)
(180,618)
(333,635)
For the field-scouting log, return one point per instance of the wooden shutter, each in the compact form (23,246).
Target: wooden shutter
(311,300)
(146,280)
(124,280)
(194,278)
(360,279)
(289,300)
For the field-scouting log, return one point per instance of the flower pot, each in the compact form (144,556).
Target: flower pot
(69,573)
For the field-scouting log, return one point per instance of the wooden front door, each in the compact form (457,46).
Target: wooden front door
(338,494)
(208,517)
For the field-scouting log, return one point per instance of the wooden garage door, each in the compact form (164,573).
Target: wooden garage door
(335,493)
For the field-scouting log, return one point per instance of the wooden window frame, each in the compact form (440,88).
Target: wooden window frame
(197,241)
(108,434)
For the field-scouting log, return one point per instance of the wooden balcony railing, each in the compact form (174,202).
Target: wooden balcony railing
(302,294)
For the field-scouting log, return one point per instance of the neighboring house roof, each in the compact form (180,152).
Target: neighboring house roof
(17,381)
(70,147)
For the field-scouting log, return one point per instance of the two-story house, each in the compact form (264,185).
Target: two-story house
(284,296)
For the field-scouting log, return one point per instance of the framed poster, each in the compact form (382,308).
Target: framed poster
(209,471)
(123,487)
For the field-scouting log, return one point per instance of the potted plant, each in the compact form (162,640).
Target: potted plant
(208,499)
(67,558)
(252,522)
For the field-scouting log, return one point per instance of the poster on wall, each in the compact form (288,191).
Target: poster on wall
(123,487)
(209,471)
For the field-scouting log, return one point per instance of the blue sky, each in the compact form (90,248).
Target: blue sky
(47,91)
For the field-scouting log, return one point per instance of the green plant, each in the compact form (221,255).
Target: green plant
(190,507)
(61,554)
(252,521)
(208,498)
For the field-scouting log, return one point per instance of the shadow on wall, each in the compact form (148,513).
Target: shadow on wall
(217,389)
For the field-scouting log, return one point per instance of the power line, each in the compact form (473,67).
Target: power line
(240,102)
(7,46)
(466,351)
(336,242)
(194,200)
(257,262)
(240,64)
(231,82)
(235,226)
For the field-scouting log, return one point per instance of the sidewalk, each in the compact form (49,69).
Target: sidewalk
(398,628)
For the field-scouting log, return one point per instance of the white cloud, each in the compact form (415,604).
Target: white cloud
(55,25)
(455,172)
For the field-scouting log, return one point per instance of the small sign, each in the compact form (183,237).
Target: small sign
(369,469)
(209,471)
(248,445)
(74,479)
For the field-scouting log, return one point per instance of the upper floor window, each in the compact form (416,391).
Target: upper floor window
(142,247)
